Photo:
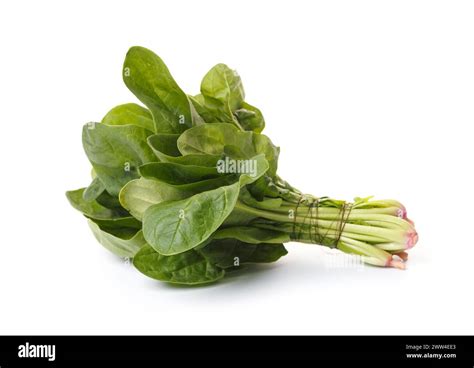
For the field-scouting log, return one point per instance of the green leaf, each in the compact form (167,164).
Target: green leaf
(118,226)
(265,203)
(267,253)
(167,151)
(189,268)
(197,119)
(222,87)
(124,246)
(92,209)
(212,139)
(108,219)
(164,145)
(94,190)
(264,187)
(263,144)
(140,194)
(222,100)
(118,230)
(176,226)
(203,185)
(149,79)
(227,253)
(222,93)
(199,105)
(130,113)
(176,174)
(252,235)
(234,152)
(116,152)
(239,217)
(109,201)
(250,118)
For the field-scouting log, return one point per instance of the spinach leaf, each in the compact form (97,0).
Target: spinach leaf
(263,188)
(109,201)
(116,152)
(266,203)
(106,218)
(189,268)
(176,226)
(92,209)
(222,100)
(167,151)
(176,174)
(228,253)
(94,190)
(200,106)
(149,79)
(130,113)
(250,118)
(164,145)
(252,235)
(223,93)
(124,245)
(212,139)
(140,194)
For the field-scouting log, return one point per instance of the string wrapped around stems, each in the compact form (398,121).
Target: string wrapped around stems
(314,231)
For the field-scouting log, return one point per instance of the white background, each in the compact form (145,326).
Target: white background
(364,98)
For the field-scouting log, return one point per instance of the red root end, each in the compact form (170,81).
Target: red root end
(402,212)
(412,239)
(402,255)
(396,264)
(409,221)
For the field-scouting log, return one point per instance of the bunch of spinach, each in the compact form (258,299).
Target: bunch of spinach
(159,194)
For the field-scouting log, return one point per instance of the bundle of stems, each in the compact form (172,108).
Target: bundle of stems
(377,230)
